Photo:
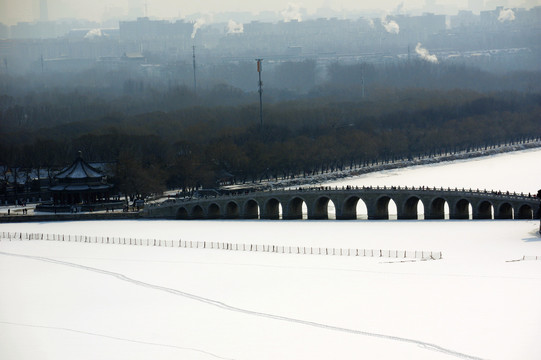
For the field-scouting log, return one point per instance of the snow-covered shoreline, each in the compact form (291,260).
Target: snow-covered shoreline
(72,299)
(428,160)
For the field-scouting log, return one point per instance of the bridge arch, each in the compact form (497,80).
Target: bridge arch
(353,208)
(232,210)
(504,211)
(321,207)
(437,208)
(410,209)
(182,214)
(251,209)
(197,212)
(273,209)
(525,212)
(385,208)
(485,210)
(213,211)
(462,210)
(294,209)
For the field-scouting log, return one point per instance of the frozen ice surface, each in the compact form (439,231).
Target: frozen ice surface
(65,300)
(515,172)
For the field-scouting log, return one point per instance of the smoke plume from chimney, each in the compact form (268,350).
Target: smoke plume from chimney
(234,27)
(291,12)
(197,25)
(390,26)
(506,15)
(425,55)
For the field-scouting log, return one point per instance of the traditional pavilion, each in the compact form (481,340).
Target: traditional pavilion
(80,183)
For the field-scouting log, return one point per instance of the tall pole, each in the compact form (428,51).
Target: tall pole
(259,70)
(362,83)
(194,81)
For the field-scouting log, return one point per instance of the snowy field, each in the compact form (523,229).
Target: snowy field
(518,171)
(66,300)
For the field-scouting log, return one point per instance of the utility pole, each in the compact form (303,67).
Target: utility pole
(259,70)
(362,83)
(194,80)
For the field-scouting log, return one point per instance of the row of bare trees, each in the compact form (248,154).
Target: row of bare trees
(198,146)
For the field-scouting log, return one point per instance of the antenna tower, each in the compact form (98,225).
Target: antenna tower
(194,79)
(259,70)
(362,83)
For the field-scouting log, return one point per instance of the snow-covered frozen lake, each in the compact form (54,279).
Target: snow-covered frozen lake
(66,300)
(514,172)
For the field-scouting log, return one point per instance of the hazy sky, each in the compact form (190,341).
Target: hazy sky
(12,11)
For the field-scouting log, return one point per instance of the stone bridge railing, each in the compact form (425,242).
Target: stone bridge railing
(288,204)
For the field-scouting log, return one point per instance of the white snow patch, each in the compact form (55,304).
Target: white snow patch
(138,302)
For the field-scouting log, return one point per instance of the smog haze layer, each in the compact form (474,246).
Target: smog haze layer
(12,11)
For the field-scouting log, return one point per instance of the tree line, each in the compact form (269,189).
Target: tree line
(48,99)
(200,146)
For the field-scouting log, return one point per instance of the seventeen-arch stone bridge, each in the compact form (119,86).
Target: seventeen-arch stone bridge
(288,204)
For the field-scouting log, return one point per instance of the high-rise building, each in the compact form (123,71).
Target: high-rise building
(43,11)
(4,31)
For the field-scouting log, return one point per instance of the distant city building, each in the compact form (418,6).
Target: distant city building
(464,18)
(461,37)
(489,18)
(47,29)
(159,36)
(146,29)
(4,31)
(43,11)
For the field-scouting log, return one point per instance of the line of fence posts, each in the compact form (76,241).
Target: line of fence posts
(281,249)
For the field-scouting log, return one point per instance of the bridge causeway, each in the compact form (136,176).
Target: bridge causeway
(288,204)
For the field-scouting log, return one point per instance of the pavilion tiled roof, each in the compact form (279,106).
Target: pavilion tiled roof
(79,170)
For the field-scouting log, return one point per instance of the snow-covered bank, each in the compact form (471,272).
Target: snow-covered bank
(72,300)
(514,172)
(436,160)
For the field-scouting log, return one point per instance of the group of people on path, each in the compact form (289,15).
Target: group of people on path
(25,211)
